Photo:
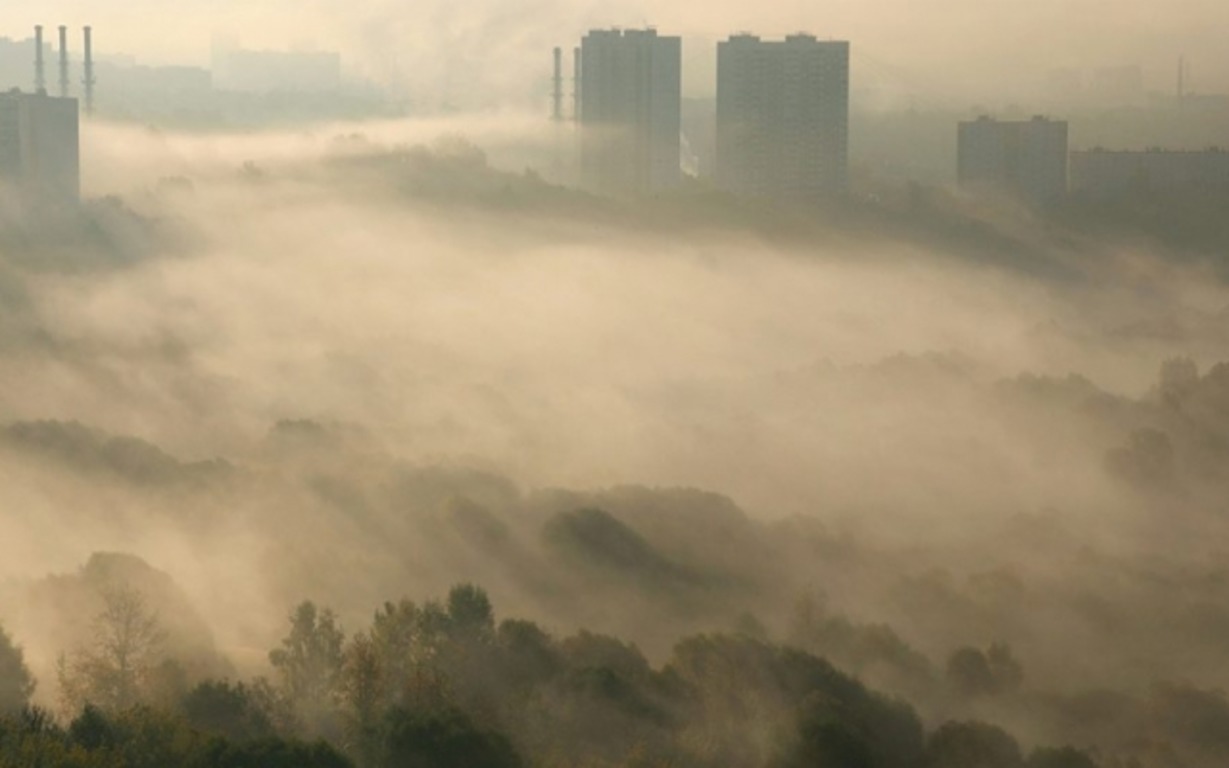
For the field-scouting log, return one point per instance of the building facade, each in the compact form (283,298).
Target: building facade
(40,147)
(1103,174)
(630,97)
(1025,159)
(783,117)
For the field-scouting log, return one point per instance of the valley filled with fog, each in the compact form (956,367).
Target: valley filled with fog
(975,459)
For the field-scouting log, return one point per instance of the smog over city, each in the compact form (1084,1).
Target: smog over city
(624,385)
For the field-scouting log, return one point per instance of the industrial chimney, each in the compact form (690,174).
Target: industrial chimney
(576,73)
(40,72)
(63,61)
(88,82)
(557,88)
(1181,79)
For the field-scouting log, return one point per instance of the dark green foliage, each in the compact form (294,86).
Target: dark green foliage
(969,673)
(1063,757)
(740,682)
(971,745)
(440,685)
(825,741)
(16,683)
(616,692)
(271,753)
(527,655)
(92,729)
(228,710)
(873,651)
(145,738)
(445,739)
(470,612)
(586,650)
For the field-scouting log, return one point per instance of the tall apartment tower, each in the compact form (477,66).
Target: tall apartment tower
(1026,159)
(630,111)
(783,117)
(40,147)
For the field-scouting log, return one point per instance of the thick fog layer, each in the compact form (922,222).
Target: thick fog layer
(373,361)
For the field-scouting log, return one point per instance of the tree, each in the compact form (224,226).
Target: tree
(228,710)
(16,683)
(823,739)
(473,619)
(442,739)
(364,694)
(309,667)
(1064,757)
(973,673)
(118,669)
(396,642)
(971,745)
(527,655)
(1007,672)
(969,673)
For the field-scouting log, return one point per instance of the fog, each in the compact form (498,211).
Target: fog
(370,361)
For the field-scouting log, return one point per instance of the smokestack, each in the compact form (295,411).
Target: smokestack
(576,73)
(557,90)
(40,70)
(63,61)
(88,82)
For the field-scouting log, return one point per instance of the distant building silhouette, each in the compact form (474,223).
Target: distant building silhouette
(783,117)
(249,71)
(40,147)
(1101,174)
(1026,159)
(17,63)
(630,111)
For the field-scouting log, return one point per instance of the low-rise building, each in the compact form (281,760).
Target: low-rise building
(1101,174)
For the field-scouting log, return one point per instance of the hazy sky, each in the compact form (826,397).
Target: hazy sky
(965,47)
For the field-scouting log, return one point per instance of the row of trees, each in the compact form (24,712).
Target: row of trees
(443,684)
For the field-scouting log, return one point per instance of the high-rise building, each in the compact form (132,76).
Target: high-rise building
(630,111)
(783,117)
(1026,159)
(39,147)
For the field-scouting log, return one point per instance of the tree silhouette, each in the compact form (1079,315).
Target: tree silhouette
(971,745)
(115,671)
(16,683)
(309,667)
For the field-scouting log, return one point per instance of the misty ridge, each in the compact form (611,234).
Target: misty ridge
(367,446)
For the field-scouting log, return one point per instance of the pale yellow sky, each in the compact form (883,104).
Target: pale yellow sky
(966,48)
